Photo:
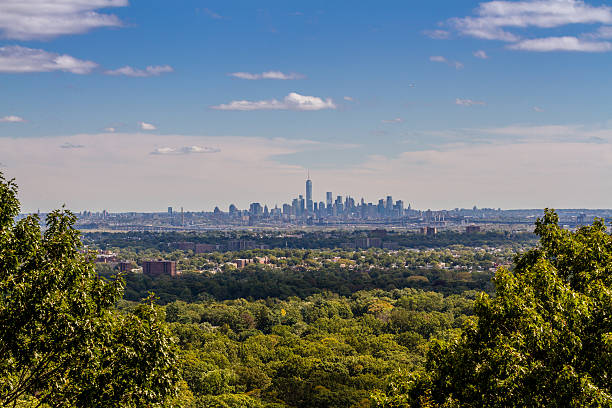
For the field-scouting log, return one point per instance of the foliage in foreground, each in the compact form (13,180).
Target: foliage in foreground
(62,343)
(544,340)
(324,351)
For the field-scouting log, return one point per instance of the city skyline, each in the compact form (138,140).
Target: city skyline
(120,104)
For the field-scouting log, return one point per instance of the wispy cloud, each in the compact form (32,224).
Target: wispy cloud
(603,32)
(266,75)
(69,145)
(12,119)
(212,14)
(468,102)
(495,20)
(147,126)
(110,129)
(480,54)
(437,34)
(36,19)
(396,120)
(443,60)
(293,101)
(348,98)
(550,44)
(184,150)
(493,17)
(538,109)
(152,70)
(16,59)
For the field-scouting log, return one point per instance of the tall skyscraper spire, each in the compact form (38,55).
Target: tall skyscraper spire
(309,204)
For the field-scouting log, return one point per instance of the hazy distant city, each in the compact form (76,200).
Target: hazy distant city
(334,211)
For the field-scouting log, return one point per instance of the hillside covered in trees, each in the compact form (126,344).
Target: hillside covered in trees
(451,326)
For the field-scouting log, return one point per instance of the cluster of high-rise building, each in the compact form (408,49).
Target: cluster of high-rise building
(304,207)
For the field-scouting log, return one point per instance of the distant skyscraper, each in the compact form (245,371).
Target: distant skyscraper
(169,210)
(255,209)
(328,199)
(309,205)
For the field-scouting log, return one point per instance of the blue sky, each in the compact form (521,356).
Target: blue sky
(137,105)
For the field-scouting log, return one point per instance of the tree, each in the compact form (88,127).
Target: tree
(62,342)
(543,340)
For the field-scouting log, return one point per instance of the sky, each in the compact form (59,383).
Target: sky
(134,105)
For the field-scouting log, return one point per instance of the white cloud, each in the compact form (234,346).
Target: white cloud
(12,119)
(538,109)
(266,75)
(293,101)
(568,43)
(437,34)
(152,70)
(492,17)
(110,129)
(17,59)
(443,60)
(396,120)
(40,19)
(184,150)
(147,126)
(468,102)
(348,98)
(480,54)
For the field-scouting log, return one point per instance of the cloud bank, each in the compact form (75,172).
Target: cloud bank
(512,167)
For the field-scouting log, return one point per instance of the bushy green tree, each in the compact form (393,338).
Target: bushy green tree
(62,342)
(543,340)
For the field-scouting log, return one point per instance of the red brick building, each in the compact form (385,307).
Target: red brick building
(158,268)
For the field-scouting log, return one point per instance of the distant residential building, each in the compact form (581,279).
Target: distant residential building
(390,245)
(368,243)
(204,248)
(240,245)
(241,263)
(183,246)
(159,268)
(125,266)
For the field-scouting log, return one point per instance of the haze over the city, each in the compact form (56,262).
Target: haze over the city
(139,105)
